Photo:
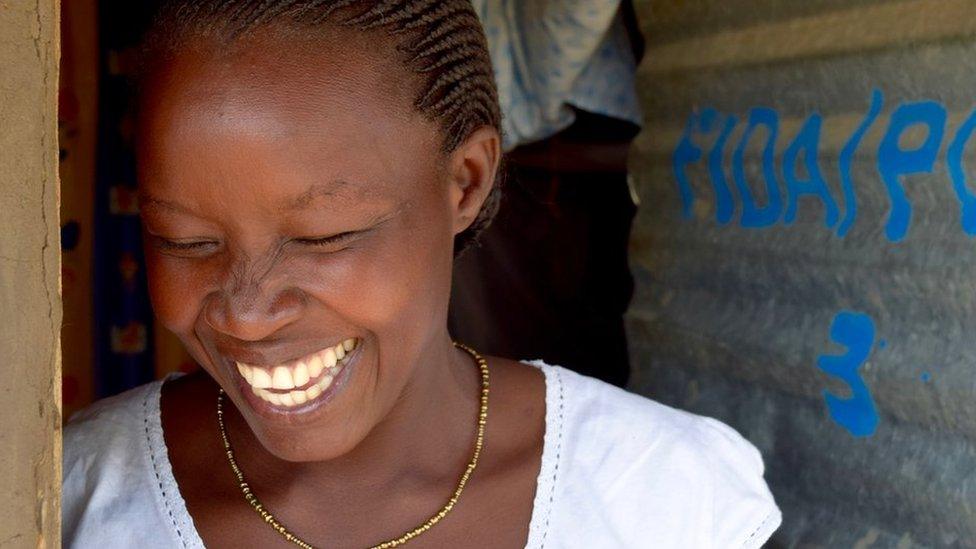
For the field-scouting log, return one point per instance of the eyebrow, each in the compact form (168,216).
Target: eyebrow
(301,202)
(149,200)
(318,190)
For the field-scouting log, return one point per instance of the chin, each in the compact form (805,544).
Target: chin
(307,447)
(310,408)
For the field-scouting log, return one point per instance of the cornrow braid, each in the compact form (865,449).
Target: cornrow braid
(440,41)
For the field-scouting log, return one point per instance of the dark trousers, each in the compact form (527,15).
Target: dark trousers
(550,278)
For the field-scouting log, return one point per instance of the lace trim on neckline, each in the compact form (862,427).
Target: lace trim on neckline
(168,491)
(172,502)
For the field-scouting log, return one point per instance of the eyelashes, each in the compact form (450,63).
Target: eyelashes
(328,240)
(177,246)
(172,245)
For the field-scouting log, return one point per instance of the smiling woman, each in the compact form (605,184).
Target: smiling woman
(308,173)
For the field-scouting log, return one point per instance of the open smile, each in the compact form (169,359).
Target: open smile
(298,382)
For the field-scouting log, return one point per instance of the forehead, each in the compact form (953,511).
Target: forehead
(276,105)
(299,65)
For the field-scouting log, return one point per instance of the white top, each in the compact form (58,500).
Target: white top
(618,470)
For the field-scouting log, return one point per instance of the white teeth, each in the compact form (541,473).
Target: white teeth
(315,366)
(329,358)
(322,366)
(281,378)
(260,379)
(297,397)
(245,371)
(300,375)
(324,383)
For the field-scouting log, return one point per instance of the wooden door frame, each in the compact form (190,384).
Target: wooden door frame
(30,275)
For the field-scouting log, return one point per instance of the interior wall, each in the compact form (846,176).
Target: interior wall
(805,252)
(30,301)
(77,129)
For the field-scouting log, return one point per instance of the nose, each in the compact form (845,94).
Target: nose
(252,314)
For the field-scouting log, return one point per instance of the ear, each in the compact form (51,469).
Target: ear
(473,166)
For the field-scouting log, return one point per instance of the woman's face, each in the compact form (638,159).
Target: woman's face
(296,208)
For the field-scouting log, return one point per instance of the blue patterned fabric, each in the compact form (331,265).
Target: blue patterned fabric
(553,54)
(123,320)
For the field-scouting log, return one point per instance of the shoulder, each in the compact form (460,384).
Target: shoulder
(106,463)
(658,465)
(107,425)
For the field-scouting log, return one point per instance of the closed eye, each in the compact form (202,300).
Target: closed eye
(174,245)
(327,240)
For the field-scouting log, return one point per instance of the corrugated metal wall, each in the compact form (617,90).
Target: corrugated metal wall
(805,252)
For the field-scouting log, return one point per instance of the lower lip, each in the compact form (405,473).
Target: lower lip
(265,408)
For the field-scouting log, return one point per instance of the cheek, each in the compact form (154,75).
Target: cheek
(398,283)
(176,290)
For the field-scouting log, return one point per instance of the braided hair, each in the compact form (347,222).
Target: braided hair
(440,41)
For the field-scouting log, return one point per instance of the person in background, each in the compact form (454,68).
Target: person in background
(551,272)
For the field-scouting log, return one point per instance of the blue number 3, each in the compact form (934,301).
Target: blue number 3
(857,414)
